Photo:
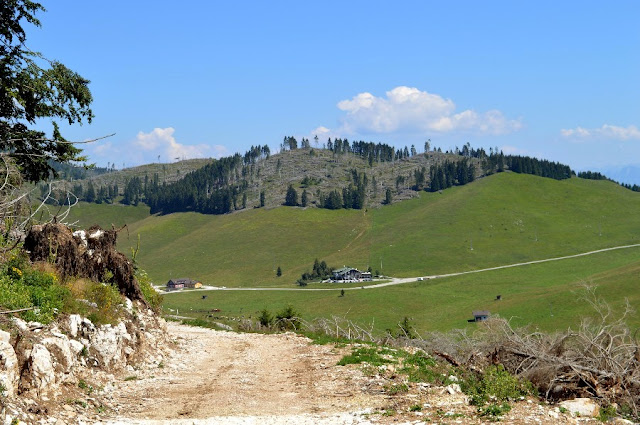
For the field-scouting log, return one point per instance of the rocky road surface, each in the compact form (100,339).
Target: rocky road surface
(225,377)
(216,377)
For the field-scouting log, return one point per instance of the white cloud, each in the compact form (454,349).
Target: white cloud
(409,110)
(160,141)
(146,147)
(607,131)
(320,132)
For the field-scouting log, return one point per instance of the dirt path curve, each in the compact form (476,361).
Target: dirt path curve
(219,377)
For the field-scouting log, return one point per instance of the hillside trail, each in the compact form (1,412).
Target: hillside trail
(216,377)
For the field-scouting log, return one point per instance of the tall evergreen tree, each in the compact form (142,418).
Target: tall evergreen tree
(388,197)
(291,199)
(91,193)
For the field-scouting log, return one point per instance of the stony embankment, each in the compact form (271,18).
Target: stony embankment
(64,372)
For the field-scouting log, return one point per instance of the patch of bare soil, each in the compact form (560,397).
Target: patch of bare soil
(215,377)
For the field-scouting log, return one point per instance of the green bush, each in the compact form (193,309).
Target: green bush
(265,319)
(496,385)
(148,291)
(419,367)
(375,356)
(288,319)
(494,410)
(108,299)
(607,413)
(22,287)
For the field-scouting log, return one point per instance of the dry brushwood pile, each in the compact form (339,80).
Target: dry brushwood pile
(599,360)
(90,254)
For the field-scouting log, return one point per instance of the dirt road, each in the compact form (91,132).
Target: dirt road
(214,377)
(224,377)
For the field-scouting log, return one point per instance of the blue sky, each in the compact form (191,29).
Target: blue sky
(559,80)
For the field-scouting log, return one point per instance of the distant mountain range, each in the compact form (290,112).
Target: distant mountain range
(629,174)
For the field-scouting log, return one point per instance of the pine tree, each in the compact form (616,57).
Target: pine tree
(291,199)
(388,197)
(91,193)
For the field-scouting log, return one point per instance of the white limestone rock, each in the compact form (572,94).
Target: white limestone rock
(20,324)
(41,367)
(9,373)
(60,350)
(74,322)
(75,346)
(5,336)
(584,407)
(108,343)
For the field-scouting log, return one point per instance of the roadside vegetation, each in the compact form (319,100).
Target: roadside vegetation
(36,292)
(495,364)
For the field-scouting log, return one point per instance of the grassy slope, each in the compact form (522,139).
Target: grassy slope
(87,214)
(245,249)
(508,218)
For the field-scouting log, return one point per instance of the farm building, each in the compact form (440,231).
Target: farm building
(183,282)
(346,273)
(481,315)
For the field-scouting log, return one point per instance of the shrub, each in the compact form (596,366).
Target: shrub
(23,287)
(607,413)
(406,329)
(108,300)
(419,367)
(494,410)
(153,298)
(375,356)
(288,319)
(266,319)
(496,384)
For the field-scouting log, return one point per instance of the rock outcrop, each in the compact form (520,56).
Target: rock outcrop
(39,363)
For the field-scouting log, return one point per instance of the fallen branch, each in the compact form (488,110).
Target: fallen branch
(18,310)
(447,357)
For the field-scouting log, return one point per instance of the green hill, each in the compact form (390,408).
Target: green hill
(501,219)
(506,218)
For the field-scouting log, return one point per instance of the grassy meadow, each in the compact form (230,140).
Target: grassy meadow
(547,296)
(501,219)
(85,215)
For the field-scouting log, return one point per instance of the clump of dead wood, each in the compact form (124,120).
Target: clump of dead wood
(600,359)
(88,254)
